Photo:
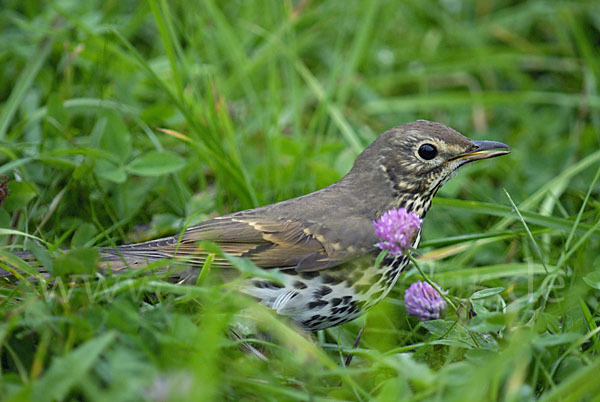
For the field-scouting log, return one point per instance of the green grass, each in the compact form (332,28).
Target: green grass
(121,121)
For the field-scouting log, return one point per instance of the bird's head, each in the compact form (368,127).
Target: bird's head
(417,158)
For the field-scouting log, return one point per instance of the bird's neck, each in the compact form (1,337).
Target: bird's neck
(374,194)
(417,203)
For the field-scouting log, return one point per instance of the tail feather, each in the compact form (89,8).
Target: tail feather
(134,256)
(129,257)
(117,259)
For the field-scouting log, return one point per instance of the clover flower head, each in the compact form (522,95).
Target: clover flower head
(422,300)
(397,228)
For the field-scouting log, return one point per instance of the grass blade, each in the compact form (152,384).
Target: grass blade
(25,80)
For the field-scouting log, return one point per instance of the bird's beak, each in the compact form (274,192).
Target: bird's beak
(484,150)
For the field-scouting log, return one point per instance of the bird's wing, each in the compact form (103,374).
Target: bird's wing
(279,243)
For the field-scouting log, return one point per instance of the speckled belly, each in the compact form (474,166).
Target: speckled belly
(321,299)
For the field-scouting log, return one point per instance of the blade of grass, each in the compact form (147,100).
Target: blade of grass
(26,78)
(320,93)
(168,39)
(65,372)
(489,98)
(508,234)
(232,48)
(535,244)
(358,50)
(479,274)
(581,209)
(207,146)
(578,386)
(532,200)
(335,113)
(552,222)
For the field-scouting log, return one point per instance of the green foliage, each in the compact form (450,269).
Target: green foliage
(124,121)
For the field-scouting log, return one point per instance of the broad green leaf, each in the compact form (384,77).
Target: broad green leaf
(482,294)
(247,267)
(449,332)
(78,261)
(57,116)
(66,372)
(593,279)
(418,373)
(20,193)
(4,218)
(109,171)
(569,365)
(489,322)
(548,340)
(577,386)
(115,138)
(84,233)
(156,163)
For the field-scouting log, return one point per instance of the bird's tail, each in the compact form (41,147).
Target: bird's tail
(133,256)
(136,256)
(116,259)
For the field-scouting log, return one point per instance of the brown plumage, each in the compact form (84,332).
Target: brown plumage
(324,242)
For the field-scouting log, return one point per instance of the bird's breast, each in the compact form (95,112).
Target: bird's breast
(321,299)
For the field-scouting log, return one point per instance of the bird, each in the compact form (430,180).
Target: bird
(324,244)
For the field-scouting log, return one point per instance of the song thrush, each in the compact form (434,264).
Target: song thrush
(324,243)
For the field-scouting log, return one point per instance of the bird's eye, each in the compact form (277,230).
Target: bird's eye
(427,151)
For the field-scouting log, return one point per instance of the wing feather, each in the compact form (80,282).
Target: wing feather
(268,242)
